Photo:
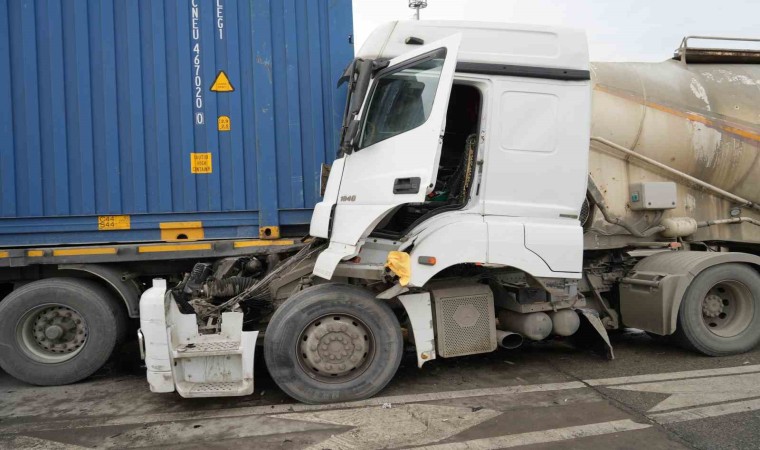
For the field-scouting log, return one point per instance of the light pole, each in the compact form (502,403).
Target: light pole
(417,5)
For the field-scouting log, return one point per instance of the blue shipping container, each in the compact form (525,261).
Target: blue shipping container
(119,116)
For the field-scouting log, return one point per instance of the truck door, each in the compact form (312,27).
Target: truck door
(397,148)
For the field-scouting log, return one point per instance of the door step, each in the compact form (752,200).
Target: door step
(208,348)
(210,365)
(215,389)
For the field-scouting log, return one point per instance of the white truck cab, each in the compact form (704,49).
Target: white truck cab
(518,97)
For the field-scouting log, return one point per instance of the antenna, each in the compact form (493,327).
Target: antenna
(417,5)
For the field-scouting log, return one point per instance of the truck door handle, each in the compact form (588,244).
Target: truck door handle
(406,185)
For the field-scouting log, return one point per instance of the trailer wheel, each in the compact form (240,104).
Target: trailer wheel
(58,330)
(720,312)
(333,343)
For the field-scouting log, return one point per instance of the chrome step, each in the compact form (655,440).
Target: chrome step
(218,389)
(208,348)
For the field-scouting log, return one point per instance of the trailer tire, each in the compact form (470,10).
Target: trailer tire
(333,343)
(720,311)
(58,331)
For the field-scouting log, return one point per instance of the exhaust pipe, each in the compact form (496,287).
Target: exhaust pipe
(508,340)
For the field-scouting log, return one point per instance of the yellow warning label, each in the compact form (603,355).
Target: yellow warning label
(113,223)
(200,163)
(223,123)
(222,83)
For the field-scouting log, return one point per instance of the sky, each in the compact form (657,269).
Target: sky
(618,30)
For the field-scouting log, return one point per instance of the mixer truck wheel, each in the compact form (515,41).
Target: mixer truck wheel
(333,343)
(720,312)
(58,330)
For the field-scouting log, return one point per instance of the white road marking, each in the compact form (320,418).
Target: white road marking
(543,436)
(88,422)
(28,442)
(705,412)
(687,389)
(673,375)
(406,425)
(191,432)
(700,391)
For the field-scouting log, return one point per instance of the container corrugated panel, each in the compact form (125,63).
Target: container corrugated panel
(107,110)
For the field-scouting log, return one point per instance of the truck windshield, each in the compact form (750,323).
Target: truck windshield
(402,98)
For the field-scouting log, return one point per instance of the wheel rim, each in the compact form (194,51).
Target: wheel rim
(51,333)
(335,348)
(728,308)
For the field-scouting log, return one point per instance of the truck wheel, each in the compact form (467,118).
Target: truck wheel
(333,343)
(58,330)
(720,312)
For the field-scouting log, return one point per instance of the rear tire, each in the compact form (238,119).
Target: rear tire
(58,330)
(333,343)
(720,312)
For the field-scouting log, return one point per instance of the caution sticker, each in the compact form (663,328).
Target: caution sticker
(106,223)
(200,163)
(223,123)
(222,83)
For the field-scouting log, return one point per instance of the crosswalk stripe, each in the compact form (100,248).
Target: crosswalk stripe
(289,408)
(543,436)
(704,412)
(673,375)
(273,410)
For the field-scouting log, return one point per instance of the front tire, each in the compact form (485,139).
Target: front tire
(333,343)
(58,331)
(720,312)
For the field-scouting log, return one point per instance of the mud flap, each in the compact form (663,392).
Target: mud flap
(592,321)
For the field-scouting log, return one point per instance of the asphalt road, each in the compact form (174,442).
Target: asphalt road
(553,395)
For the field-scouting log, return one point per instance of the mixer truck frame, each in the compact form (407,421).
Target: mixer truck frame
(481,200)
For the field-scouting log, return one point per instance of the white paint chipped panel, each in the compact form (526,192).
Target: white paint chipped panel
(726,76)
(699,92)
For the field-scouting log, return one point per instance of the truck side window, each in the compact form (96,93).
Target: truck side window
(402,99)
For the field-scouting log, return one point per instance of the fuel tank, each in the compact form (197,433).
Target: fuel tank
(700,119)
